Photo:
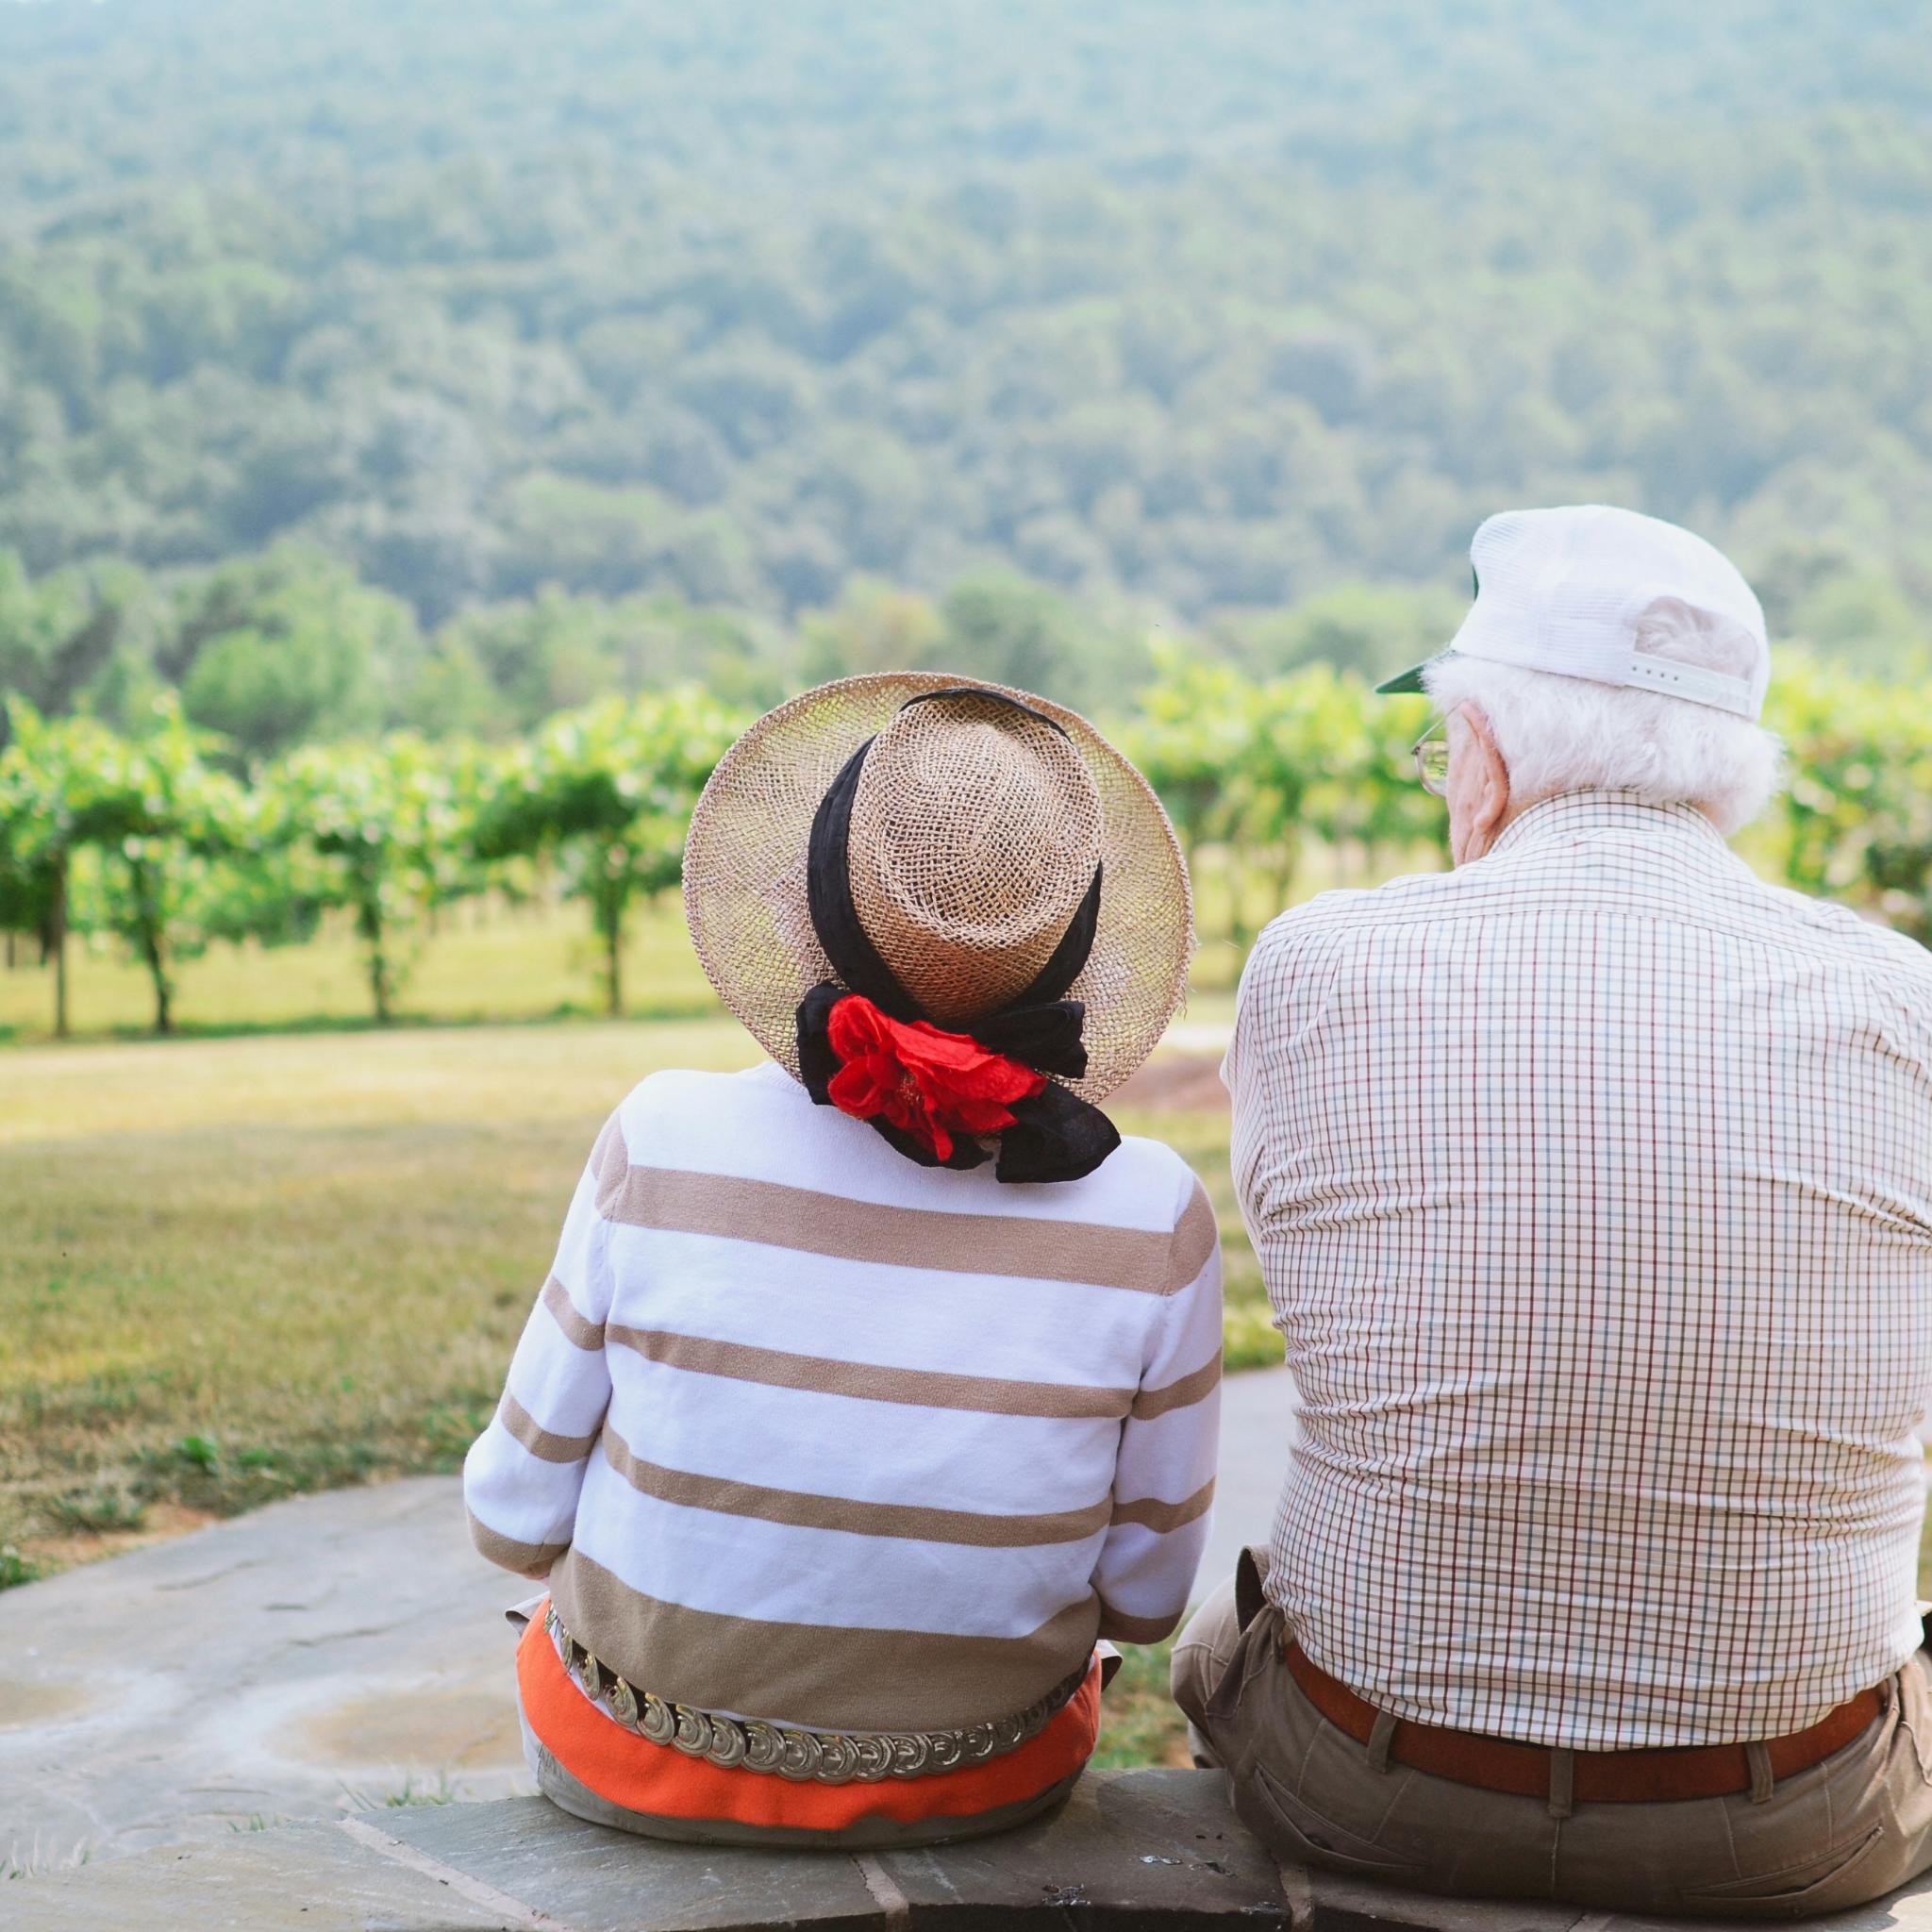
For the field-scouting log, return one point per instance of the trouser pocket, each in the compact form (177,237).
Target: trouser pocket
(1296,1832)
(1816,1884)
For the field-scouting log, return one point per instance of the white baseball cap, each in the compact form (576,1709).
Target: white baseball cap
(1602,594)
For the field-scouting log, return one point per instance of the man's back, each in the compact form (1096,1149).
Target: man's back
(1593,1184)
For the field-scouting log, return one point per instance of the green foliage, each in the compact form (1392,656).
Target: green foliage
(874,626)
(507,667)
(1013,632)
(1855,822)
(72,639)
(149,812)
(1209,310)
(141,839)
(14,1571)
(1257,768)
(157,817)
(385,828)
(1189,739)
(1140,1722)
(609,789)
(101,1509)
(1371,629)
(286,648)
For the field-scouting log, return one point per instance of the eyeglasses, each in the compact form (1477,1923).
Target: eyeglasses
(1431,753)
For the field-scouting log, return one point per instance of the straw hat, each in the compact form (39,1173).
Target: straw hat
(978,820)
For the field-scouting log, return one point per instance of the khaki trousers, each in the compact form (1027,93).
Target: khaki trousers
(1847,1830)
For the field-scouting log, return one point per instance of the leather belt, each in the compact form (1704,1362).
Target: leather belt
(1603,1777)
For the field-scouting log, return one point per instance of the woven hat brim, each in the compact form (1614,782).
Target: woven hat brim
(744,874)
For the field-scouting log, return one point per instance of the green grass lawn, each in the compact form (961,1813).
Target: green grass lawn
(483,961)
(238,1268)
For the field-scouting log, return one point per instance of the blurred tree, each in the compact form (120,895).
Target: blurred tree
(39,794)
(1373,630)
(872,627)
(1009,631)
(74,639)
(287,648)
(1189,737)
(1854,820)
(1863,617)
(610,788)
(508,666)
(388,826)
(151,808)
(670,334)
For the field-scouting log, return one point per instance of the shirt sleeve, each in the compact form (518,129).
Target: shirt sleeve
(523,1474)
(1163,1489)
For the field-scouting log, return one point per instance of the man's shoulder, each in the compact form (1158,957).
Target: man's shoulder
(1302,954)
(1320,936)
(1330,917)
(1890,957)
(1895,960)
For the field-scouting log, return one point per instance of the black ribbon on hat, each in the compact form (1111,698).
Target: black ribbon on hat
(1056,1136)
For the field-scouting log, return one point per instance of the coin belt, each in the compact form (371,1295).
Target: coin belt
(827,1758)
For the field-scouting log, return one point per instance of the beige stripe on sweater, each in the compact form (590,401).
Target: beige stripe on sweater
(743,1361)
(915,1522)
(577,1331)
(816,1674)
(539,1440)
(507,1552)
(731,1208)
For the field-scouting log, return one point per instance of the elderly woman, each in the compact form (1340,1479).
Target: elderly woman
(872,1387)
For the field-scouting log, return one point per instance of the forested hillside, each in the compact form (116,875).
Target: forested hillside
(1186,312)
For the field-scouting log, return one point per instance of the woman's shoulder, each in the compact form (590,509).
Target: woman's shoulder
(676,1089)
(1153,1167)
(1143,1185)
(761,1124)
(684,1106)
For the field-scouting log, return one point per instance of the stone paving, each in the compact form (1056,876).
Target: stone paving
(313,1657)
(1132,1852)
(319,1657)
(1158,1844)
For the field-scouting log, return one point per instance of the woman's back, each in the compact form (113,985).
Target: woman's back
(863,1464)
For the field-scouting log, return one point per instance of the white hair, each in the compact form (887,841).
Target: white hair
(1572,734)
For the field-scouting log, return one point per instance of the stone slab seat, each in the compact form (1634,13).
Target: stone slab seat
(1133,1851)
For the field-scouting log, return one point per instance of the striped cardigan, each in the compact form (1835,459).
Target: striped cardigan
(809,1433)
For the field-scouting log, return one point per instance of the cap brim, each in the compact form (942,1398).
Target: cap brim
(1404,682)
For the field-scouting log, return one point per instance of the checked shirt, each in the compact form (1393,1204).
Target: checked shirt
(1592,1186)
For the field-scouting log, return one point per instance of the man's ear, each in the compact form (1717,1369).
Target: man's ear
(1488,797)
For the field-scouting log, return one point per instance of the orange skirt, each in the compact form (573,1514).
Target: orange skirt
(659,1781)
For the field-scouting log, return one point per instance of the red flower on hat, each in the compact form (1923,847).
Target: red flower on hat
(931,1085)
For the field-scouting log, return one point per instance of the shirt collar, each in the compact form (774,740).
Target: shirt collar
(1571,815)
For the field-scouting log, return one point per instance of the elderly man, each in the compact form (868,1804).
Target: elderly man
(1592,1185)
